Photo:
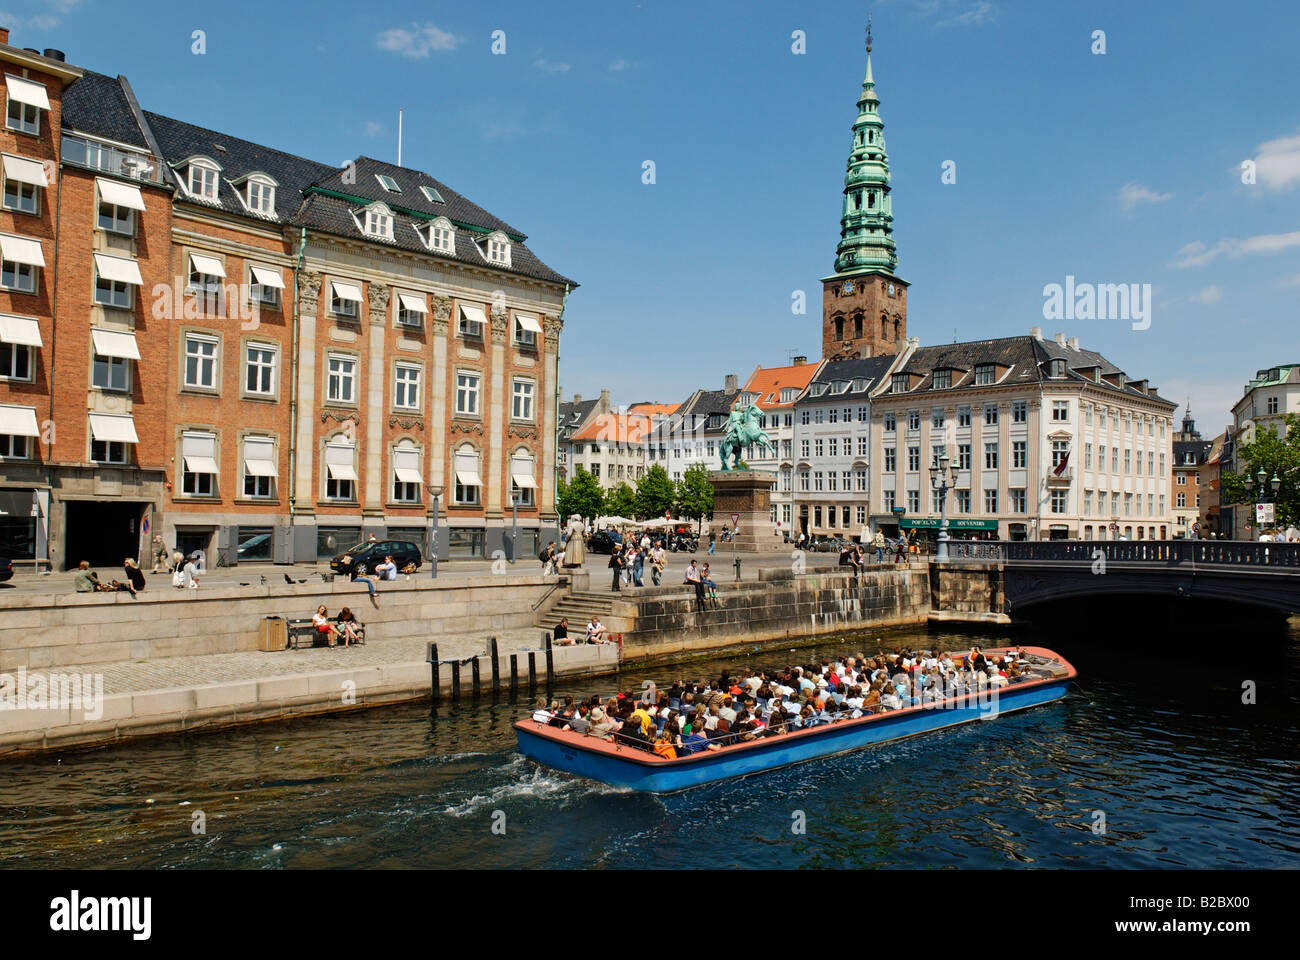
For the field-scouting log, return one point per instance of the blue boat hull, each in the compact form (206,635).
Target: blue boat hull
(635,769)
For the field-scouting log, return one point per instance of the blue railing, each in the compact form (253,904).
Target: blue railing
(1227,553)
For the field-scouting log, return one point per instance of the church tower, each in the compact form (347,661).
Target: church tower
(864,303)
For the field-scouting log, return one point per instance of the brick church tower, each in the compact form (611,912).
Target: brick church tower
(864,303)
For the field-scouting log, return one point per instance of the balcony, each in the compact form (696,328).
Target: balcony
(98,156)
(1063,479)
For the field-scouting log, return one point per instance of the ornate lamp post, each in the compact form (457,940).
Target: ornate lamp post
(942,479)
(1264,482)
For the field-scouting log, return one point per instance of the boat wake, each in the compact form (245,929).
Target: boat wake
(532,782)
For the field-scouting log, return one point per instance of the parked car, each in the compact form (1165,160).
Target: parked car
(830,545)
(604,541)
(364,557)
(6,569)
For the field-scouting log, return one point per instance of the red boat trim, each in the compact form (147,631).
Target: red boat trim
(581,741)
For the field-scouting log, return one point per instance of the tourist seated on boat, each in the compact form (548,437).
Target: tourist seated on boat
(664,747)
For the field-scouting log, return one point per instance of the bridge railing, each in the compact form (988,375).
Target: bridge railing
(1229,553)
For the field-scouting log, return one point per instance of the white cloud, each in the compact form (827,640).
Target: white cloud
(1290,280)
(617,66)
(50,17)
(417,42)
(959,14)
(1208,295)
(1278,165)
(1131,194)
(1211,400)
(1197,254)
(547,66)
(374,129)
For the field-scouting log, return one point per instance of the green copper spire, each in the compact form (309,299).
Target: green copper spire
(867,222)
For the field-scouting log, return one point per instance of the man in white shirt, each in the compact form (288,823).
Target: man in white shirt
(596,631)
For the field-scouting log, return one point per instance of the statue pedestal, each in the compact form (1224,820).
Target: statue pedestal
(747,493)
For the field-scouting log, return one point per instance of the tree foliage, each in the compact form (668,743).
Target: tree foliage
(654,493)
(695,493)
(1277,456)
(582,495)
(620,501)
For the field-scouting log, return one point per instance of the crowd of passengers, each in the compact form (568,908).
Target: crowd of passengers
(692,717)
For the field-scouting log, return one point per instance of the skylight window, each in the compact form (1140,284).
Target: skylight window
(388,183)
(432,195)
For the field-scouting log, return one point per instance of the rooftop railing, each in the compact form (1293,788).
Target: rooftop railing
(99,156)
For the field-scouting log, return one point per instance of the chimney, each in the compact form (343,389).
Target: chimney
(1060,339)
(52,54)
(4,34)
(800,361)
(731,384)
(604,401)
(1036,332)
(1073,343)
(914,342)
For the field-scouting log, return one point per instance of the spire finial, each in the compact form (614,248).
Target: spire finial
(868,33)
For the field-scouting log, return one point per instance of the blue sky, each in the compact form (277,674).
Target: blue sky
(1115,168)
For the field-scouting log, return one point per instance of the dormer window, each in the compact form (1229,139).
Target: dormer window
(985,373)
(202,179)
(788,394)
(441,236)
(388,183)
(900,383)
(378,222)
(498,249)
(942,379)
(1056,368)
(260,195)
(432,195)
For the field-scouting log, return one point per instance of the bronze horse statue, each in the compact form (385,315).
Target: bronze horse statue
(742,429)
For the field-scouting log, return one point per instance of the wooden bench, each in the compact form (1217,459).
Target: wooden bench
(303,633)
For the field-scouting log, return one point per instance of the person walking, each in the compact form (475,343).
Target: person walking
(879,543)
(161,555)
(616,566)
(658,561)
(713,541)
(638,566)
(547,557)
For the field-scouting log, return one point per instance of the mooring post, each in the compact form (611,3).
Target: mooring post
(432,651)
(550,664)
(455,681)
(474,670)
(514,674)
(532,671)
(496,663)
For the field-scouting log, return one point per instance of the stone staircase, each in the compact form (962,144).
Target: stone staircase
(578,607)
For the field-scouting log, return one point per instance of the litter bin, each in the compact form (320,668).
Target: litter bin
(272,634)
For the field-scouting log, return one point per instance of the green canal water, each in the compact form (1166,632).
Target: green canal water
(1152,760)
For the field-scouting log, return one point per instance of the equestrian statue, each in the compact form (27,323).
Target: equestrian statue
(742,429)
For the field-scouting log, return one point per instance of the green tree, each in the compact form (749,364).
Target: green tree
(1277,457)
(582,495)
(620,501)
(695,494)
(654,493)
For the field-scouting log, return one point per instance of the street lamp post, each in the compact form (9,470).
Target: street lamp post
(433,543)
(514,526)
(1264,482)
(942,479)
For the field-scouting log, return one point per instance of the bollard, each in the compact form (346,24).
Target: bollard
(514,674)
(474,671)
(455,681)
(737,569)
(550,665)
(532,672)
(432,651)
(496,663)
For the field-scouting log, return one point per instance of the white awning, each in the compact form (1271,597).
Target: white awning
(25,170)
(16,421)
(521,472)
(27,91)
(200,465)
(266,277)
(20,330)
(338,461)
(473,314)
(345,291)
(113,428)
(528,322)
(406,465)
(119,269)
(411,302)
(524,481)
(341,471)
(407,474)
(120,194)
(259,457)
(468,478)
(208,266)
(115,343)
(21,250)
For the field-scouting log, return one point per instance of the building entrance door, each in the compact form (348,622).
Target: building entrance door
(103,533)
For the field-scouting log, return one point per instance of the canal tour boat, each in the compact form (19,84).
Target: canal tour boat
(624,765)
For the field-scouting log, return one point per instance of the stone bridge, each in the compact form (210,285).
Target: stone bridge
(1026,573)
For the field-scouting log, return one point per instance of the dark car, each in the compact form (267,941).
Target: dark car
(604,541)
(364,557)
(6,569)
(829,545)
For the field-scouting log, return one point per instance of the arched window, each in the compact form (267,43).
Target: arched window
(871,200)
(839,328)
(857,325)
(468,482)
(884,327)
(896,330)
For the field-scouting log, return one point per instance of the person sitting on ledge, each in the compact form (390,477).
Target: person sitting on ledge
(596,632)
(708,584)
(562,637)
(347,626)
(321,621)
(386,570)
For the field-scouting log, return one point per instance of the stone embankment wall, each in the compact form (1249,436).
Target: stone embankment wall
(664,621)
(51,631)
